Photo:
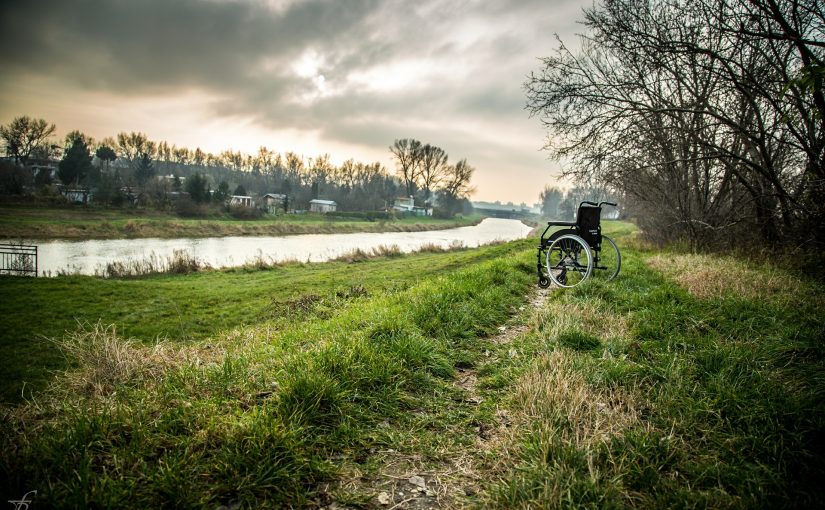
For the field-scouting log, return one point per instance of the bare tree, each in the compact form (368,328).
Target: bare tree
(432,166)
(345,175)
(693,108)
(75,135)
(24,136)
(456,187)
(133,146)
(457,180)
(406,152)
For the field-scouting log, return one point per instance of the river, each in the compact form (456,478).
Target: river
(90,257)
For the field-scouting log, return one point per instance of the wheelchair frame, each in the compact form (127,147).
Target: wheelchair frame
(572,254)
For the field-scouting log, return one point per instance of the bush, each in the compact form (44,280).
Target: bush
(13,179)
(243,212)
(187,208)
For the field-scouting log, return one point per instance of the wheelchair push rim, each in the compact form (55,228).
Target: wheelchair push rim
(569,261)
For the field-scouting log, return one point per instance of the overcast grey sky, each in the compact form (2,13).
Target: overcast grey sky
(342,77)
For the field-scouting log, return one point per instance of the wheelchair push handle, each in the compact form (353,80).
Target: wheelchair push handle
(594,204)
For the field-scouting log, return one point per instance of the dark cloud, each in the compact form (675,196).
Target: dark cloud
(456,65)
(149,44)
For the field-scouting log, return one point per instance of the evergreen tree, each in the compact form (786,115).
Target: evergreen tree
(76,163)
(222,193)
(145,169)
(107,154)
(198,188)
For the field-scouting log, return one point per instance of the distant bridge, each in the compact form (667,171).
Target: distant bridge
(511,214)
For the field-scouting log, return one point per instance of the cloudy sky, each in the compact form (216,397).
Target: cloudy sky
(343,77)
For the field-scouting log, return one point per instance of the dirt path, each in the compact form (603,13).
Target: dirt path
(406,481)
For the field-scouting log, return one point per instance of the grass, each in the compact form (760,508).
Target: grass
(664,388)
(188,307)
(21,222)
(261,425)
(693,381)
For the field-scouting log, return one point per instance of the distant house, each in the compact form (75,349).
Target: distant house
(76,195)
(241,200)
(322,206)
(407,206)
(174,196)
(46,167)
(274,202)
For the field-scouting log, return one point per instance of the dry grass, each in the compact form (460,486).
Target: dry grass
(180,262)
(359,255)
(715,276)
(387,251)
(588,316)
(103,360)
(437,248)
(393,251)
(637,241)
(553,400)
(553,392)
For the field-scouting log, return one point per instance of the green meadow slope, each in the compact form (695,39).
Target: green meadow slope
(430,380)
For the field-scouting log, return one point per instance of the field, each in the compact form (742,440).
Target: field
(79,223)
(428,380)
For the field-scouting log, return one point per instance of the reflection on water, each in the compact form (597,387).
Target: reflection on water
(85,257)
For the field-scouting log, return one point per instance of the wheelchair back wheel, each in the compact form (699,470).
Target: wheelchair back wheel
(608,260)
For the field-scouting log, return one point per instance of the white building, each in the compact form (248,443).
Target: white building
(322,206)
(274,202)
(407,205)
(241,200)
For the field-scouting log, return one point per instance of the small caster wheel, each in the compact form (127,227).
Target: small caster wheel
(544,282)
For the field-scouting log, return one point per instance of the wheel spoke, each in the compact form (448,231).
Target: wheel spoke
(569,260)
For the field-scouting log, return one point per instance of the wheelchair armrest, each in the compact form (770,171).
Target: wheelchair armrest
(561,223)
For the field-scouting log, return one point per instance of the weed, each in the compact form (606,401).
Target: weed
(180,262)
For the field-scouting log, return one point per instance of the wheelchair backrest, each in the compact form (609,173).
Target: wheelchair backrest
(588,221)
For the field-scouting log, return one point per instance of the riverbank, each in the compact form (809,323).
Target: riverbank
(432,380)
(80,223)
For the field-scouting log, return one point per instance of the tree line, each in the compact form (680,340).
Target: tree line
(707,115)
(424,168)
(131,161)
(557,204)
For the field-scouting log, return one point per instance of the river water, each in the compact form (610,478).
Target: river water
(90,257)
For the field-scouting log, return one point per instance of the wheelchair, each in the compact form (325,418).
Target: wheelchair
(569,256)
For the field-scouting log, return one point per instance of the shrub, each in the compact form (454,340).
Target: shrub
(187,208)
(13,179)
(243,212)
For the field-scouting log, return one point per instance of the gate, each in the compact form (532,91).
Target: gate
(18,259)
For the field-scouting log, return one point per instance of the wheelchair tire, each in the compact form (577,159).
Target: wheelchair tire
(569,260)
(544,282)
(611,258)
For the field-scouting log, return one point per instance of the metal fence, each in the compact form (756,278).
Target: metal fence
(18,259)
